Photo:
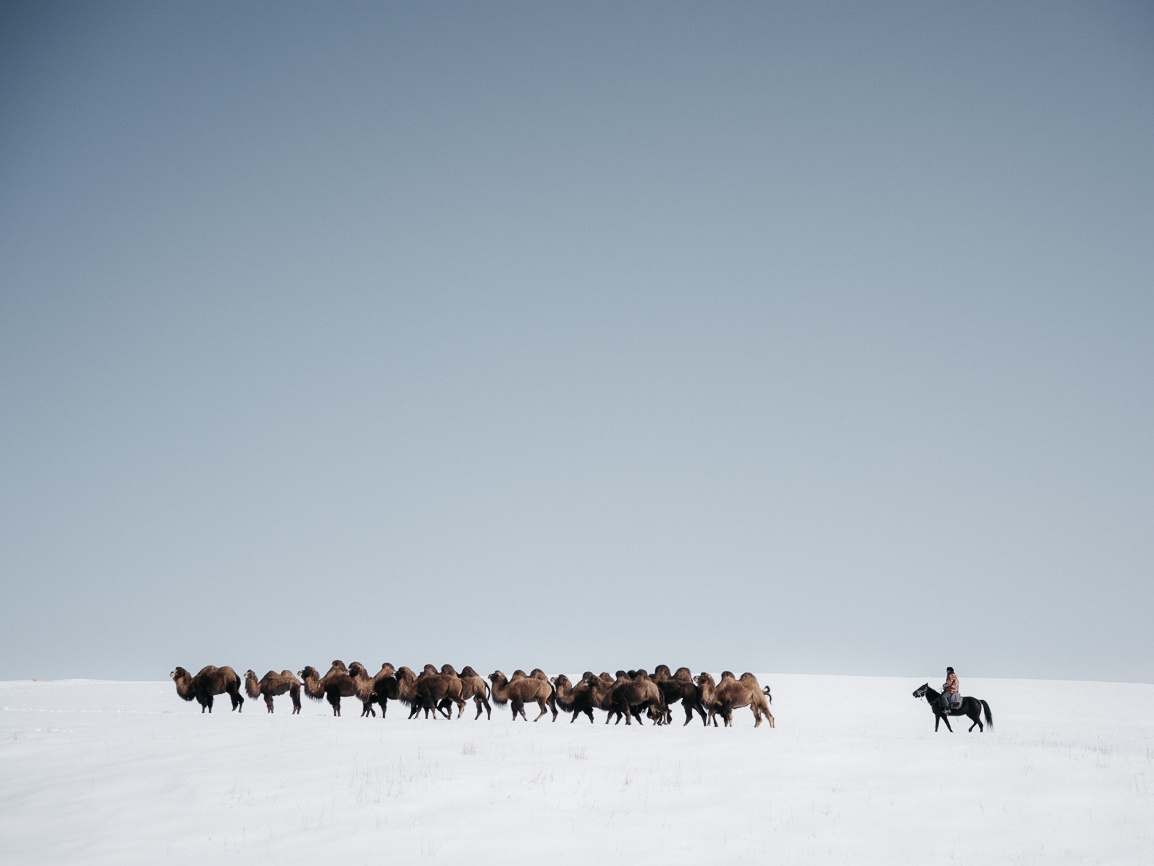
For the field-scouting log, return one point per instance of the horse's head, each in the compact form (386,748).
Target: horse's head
(920,691)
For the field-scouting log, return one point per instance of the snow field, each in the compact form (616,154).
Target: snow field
(114,773)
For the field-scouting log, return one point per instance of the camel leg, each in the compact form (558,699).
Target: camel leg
(268,702)
(544,709)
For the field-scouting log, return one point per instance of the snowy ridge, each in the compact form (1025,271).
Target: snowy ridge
(125,772)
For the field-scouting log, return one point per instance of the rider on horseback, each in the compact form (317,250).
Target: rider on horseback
(950,691)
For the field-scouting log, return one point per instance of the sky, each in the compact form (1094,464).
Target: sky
(808,338)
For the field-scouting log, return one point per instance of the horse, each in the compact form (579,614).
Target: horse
(971,707)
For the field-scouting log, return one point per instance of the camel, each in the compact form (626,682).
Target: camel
(272,685)
(601,694)
(406,689)
(679,687)
(363,688)
(209,681)
(633,693)
(575,699)
(438,690)
(730,694)
(521,691)
(385,686)
(473,686)
(334,685)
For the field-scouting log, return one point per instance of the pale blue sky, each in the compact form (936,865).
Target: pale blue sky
(779,337)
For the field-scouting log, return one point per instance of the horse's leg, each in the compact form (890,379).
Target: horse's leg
(974,711)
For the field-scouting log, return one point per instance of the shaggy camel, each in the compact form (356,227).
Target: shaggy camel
(406,691)
(334,685)
(473,686)
(363,688)
(601,694)
(438,690)
(575,699)
(385,686)
(209,681)
(272,685)
(521,691)
(730,694)
(679,687)
(634,693)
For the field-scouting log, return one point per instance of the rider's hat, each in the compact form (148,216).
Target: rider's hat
(949,670)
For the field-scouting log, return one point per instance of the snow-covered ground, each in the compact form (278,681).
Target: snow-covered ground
(115,773)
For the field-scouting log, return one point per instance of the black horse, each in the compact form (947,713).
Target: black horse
(971,707)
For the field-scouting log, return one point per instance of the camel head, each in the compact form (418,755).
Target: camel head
(178,673)
(309,671)
(357,669)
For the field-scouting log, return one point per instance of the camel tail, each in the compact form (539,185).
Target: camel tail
(989,716)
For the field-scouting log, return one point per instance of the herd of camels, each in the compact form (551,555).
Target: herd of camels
(629,695)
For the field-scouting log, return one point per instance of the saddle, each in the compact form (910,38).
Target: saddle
(952,701)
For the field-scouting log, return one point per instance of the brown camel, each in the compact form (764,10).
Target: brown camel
(521,691)
(634,693)
(730,694)
(438,690)
(575,699)
(473,686)
(679,687)
(363,688)
(406,689)
(601,694)
(209,681)
(333,686)
(273,685)
(385,686)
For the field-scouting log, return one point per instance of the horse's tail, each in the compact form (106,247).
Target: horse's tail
(989,716)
